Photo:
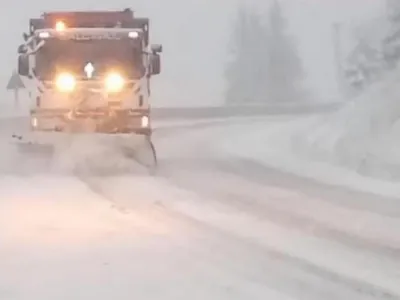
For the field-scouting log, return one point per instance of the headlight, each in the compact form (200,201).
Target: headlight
(65,82)
(114,83)
(60,26)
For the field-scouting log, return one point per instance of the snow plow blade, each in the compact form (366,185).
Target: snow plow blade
(97,154)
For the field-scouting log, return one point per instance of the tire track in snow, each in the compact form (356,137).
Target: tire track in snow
(209,160)
(300,220)
(198,155)
(209,181)
(230,240)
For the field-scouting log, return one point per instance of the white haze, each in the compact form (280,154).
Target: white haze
(195,33)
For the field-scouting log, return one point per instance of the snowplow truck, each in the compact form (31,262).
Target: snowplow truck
(89,71)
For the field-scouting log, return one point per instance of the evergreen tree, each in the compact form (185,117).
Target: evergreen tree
(283,65)
(393,10)
(391,49)
(264,65)
(242,72)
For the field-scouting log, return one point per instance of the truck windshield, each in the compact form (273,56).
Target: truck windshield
(73,55)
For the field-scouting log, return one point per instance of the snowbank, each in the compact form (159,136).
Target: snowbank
(364,136)
(357,146)
(279,147)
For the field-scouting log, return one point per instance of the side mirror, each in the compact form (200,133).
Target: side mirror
(155,64)
(23,65)
(25,36)
(156,48)
(22,49)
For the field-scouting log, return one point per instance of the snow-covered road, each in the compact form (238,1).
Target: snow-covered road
(209,225)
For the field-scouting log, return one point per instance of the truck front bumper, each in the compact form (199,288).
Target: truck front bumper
(135,121)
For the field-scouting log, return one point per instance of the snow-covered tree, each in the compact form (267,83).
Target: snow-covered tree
(283,64)
(245,48)
(264,66)
(393,9)
(391,43)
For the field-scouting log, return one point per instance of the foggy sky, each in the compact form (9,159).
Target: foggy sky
(195,33)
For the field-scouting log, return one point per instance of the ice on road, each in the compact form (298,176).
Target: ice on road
(208,226)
